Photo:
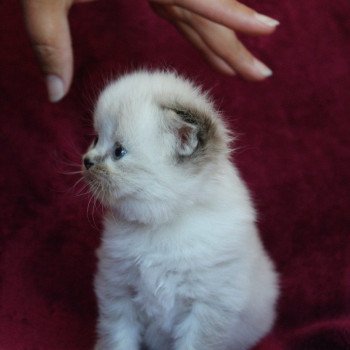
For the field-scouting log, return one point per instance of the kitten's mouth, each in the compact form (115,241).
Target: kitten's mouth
(96,174)
(99,183)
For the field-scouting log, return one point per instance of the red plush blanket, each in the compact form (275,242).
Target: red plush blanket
(292,149)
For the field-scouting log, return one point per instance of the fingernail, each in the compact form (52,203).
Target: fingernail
(266,20)
(55,87)
(263,70)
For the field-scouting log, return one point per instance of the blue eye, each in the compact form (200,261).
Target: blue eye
(119,151)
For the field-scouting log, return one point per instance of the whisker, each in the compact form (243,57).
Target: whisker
(114,218)
(78,181)
(71,172)
(76,165)
(95,190)
(94,204)
(73,188)
(84,193)
(87,213)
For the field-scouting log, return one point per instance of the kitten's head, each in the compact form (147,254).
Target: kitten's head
(159,141)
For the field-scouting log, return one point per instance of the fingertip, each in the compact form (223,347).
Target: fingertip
(257,71)
(55,88)
(262,69)
(268,21)
(49,32)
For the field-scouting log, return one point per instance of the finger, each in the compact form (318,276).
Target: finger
(229,13)
(169,13)
(225,44)
(48,30)
(210,56)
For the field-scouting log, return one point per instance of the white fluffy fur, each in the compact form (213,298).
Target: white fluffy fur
(181,266)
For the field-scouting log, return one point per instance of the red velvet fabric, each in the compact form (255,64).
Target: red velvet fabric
(292,150)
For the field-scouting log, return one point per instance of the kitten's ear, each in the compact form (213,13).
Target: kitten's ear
(186,136)
(196,133)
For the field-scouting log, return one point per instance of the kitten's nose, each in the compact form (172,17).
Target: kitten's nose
(88,163)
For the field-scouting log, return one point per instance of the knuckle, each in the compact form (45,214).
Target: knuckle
(44,50)
(47,56)
(181,14)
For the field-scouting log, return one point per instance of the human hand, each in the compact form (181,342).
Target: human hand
(211,26)
(48,28)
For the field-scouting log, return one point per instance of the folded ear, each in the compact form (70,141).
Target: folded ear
(186,136)
(199,136)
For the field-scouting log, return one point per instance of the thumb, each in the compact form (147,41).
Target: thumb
(48,29)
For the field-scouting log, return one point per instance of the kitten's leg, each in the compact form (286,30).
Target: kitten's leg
(208,328)
(118,326)
(156,339)
(204,328)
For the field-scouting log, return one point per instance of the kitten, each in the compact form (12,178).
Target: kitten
(180,265)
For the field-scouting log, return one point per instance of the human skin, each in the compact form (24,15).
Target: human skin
(211,26)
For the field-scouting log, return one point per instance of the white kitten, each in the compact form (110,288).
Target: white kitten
(181,265)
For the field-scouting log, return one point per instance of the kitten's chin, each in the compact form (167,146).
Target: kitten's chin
(143,212)
(101,189)
(109,200)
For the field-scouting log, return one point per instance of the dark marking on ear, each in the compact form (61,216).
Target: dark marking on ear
(187,137)
(211,140)
(186,116)
(184,134)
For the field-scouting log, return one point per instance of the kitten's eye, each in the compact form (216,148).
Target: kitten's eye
(119,151)
(95,141)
